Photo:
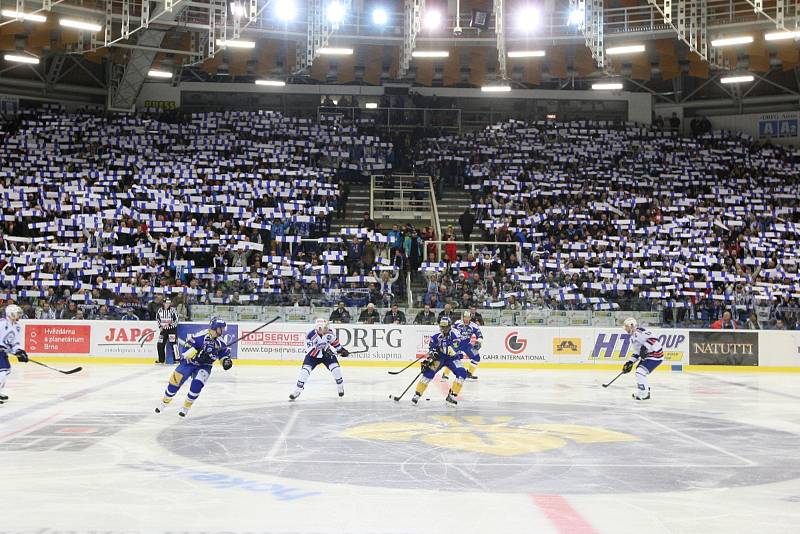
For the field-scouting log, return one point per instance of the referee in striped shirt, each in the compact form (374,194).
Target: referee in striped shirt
(167,318)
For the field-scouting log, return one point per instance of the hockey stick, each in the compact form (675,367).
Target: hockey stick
(71,371)
(357,352)
(403,369)
(248,334)
(397,398)
(619,375)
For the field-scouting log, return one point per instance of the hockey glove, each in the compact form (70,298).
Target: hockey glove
(643,352)
(227,363)
(344,353)
(627,367)
(22,356)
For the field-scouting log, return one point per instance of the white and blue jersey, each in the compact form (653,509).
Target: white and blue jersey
(204,350)
(318,345)
(10,341)
(647,349)
(321,348)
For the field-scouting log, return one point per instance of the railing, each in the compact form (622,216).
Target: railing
(554,24)
(437,223)
(397,118)
(472,245)
(409,292)
(489,316)
(398,201)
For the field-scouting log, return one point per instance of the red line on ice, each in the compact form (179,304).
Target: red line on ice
(564,517)
(29,427)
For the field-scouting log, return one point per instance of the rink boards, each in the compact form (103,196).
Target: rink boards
(389,345)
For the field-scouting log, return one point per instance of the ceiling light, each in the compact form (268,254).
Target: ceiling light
(285,10)
(372,105)
(80,25)
(237,9)
(607,86)
(728,41)
(271,83)
(629,49)
(430,53)
(432,19)
(528,18)
(33,17)
(495,88)
(380,16)
(155,73)
(526,53)
(551,117)
(20,58)
(330,51)
(576,17)
(740,78)
(335,12)
(774,36)
(236,43)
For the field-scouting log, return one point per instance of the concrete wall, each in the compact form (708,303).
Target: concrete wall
(779,127)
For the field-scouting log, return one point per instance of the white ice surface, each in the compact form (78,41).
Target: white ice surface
(86,453)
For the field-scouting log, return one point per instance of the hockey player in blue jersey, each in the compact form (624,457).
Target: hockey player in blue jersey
(470,339)
(445,351)
(10,343)
(322,348)
(647,353)
(204,348)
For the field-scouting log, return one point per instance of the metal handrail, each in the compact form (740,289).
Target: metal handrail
(409,293)
(372,198)
(472,245)
(428,114)
(437,224)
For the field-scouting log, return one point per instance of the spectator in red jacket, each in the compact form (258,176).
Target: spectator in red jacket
(726,323)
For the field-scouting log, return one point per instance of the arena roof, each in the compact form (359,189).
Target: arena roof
(567,44)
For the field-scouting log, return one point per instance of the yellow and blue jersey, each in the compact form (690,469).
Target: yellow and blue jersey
(447,346)
(204,349)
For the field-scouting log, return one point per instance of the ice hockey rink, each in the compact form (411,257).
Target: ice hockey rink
(528,451)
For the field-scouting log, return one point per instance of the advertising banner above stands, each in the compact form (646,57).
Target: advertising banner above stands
(508,346)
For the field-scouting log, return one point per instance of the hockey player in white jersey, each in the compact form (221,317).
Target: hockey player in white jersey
(10,343)
(322,348)
(647,353)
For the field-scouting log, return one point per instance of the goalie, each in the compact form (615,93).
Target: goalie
(444,352)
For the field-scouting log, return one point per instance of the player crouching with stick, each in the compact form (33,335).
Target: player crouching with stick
(206,347)
(444,352)
(323,347)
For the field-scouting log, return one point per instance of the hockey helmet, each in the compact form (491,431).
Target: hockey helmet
(630,325)
(321,325)
(217,325)
(13,313)
(444,324)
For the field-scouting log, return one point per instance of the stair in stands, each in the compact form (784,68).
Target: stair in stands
(357,204)
(451,206)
